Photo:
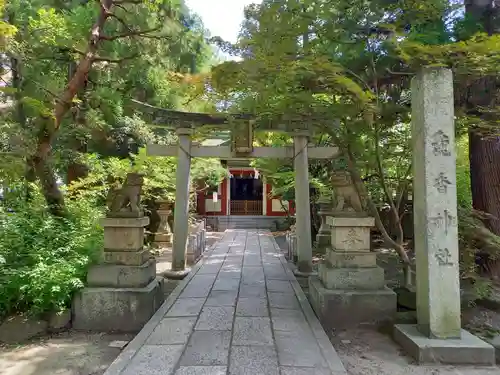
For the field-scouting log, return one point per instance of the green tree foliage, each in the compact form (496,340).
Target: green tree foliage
(345,67)
(69,129)
(95,57)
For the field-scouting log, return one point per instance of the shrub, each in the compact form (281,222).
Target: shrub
(43,259)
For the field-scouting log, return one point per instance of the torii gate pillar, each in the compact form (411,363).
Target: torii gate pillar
(181,209)
(302,203)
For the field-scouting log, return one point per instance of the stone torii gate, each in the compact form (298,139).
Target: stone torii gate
(184,123)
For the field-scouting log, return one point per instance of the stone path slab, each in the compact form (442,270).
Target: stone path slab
(239,312)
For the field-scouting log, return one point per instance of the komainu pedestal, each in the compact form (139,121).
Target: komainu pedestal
(122,291)
(350,287)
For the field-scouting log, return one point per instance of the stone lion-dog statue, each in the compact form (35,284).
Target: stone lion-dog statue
(125,200)
(346,195)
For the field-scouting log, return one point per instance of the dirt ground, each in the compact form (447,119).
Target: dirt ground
(369,352)
(68,353)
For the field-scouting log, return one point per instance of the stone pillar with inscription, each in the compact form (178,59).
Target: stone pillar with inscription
(122,291)
(438,336)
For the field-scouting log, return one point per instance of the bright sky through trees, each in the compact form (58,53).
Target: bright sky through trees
(221,17)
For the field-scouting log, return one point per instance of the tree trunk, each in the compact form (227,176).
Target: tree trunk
(484,152)
(49,125)
(484,156)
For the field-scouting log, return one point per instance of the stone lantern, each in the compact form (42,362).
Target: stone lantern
(163,236)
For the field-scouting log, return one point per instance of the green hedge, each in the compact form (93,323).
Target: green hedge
(43,260)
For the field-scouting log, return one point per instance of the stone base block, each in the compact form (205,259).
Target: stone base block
(163,239)
(347,259)
(351,278)
(121,276)
(126,258)
(176,275)
(117,309)
(124,233)
(339,309)
(323,241)
(469,349)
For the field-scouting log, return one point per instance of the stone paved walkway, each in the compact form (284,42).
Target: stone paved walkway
(240,313)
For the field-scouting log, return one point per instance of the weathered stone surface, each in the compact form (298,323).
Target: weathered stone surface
(186,307)
(226,283)
(114,222)
(495,342)
(59,320)
(194,251)
(338,308)
(351,259)
(222,298)
(351,278)
(207,348)
(334,221)
(201,370)
(123,238)
(275,272)
(172,331)
(252,331)
(298,350)
(283,301)
(251,360)
(117,309)
(216,318)
(127,258)
(289,320)
(305,371)
(253,290)
(20,328)
(468,349)
(163,240)
(282,286)
(435,203)
(252,307)
(350,238)
(150,358)
(111,275)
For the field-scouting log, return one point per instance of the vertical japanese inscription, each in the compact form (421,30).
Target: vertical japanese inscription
(441,183)
(443,257)
(440,144)
(444,220)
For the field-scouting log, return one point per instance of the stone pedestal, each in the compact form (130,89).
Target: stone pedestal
(196,242)
(350,287)
(163,236)
(324,233)
(291,239)
(438,336)
(123,291)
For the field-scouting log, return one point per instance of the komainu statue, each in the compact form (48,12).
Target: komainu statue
(346,197)
(125,201)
